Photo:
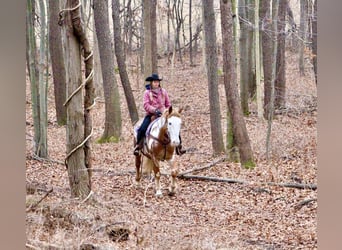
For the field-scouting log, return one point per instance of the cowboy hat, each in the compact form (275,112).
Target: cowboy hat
(153,77)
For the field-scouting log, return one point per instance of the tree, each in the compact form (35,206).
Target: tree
(302,35)
(267,45)
(113,122)
(244,62)
(36,67)
(78,159)
(314,39)
(57,61)
(280,80)
(150,37)
(33,70)
(211,66)
(230,82)
(119,52)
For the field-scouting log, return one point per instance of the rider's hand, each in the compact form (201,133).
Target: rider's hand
(157,112)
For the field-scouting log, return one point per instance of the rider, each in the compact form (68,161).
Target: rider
(156,100)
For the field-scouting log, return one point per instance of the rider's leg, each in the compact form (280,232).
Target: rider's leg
(179,150)
(141,134)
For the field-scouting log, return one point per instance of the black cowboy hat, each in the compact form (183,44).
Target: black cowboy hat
(153,77)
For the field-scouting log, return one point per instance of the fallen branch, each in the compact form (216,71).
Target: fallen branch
(216,179)
(304,202)
(294,185)
(208,178)
(204,167)
(36,204)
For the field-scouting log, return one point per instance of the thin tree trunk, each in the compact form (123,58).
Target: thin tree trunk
(33,71)
(211,62)
(113,122)
(314,39)
(230,82)
(57,61)
(280,80)
(132,108)
(302,35)
(257,60)
(43,147)
(244,63)
(274,66)
(190,33)
(148,67)
(267,45)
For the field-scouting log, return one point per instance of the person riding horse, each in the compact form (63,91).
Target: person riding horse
(155,101)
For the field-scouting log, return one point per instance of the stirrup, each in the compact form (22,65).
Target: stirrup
(136,150)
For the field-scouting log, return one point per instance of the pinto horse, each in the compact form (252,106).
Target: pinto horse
(162,137)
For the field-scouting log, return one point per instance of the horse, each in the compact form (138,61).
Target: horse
(161,139)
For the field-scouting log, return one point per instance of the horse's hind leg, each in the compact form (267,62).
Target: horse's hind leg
(138,170)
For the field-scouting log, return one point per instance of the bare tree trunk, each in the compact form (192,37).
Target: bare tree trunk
(244,63)
(132,108)
(230,82)
(267,44)
(57,61)
(43,147)
(32,63)
(148,67)
(280,80)
(190,33)
(113,122)
(153,24)
(211,62)
(302,35)
(274,68)
(258,60)
(77,161)
(314,39)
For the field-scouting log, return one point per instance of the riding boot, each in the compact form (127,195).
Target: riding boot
(179,150)
(138,147)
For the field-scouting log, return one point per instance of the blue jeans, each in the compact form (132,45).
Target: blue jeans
(143,128)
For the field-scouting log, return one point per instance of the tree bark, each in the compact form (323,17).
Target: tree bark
(267,45)
(113,122)
(280,81)
(230,83)
(57,61)
(314,39)
(211,66)
(76,162)
(32,63)
(132,108)
(244,62)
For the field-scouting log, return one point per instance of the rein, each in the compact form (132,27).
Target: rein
(163,143)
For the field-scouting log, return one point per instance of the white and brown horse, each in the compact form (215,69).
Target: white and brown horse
(162,137)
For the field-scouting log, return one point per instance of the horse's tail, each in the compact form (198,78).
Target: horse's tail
(147,165)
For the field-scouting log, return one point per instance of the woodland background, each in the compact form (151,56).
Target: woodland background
(270,206)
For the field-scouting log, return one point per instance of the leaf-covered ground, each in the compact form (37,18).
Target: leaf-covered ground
(203,214)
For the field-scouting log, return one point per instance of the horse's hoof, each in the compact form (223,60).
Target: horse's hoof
(172,191)
(137,184)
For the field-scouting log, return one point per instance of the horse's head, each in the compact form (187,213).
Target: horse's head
(173,123)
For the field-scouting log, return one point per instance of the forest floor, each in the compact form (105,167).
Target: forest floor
(203,214)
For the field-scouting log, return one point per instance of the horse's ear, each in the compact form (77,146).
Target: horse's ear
(170,109)
(180,110)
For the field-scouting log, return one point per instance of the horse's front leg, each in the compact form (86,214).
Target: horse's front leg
(156,170)
(174,173)
(138,170)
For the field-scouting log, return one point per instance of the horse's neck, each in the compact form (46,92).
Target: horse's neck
(158,127)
